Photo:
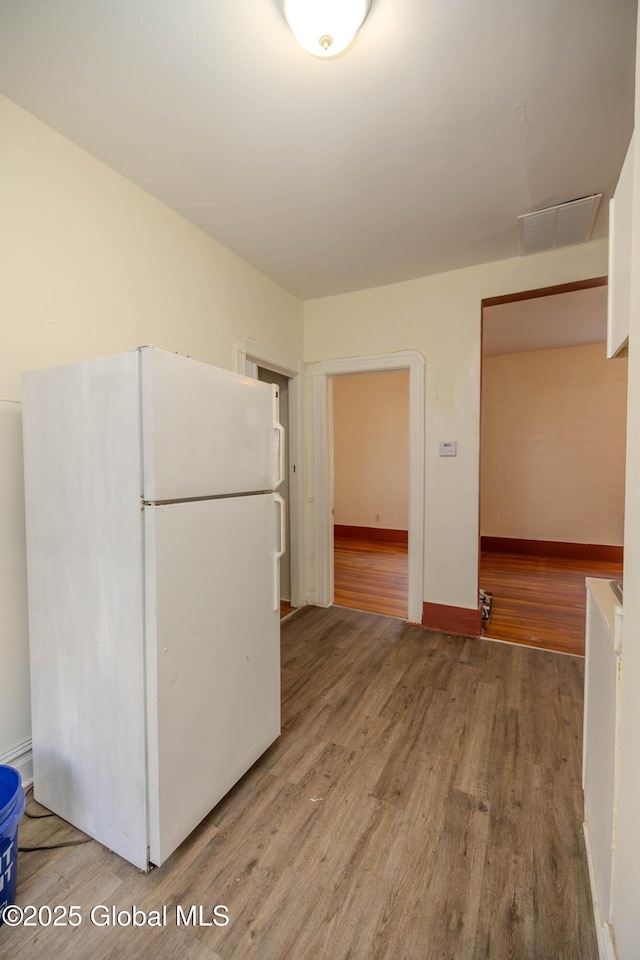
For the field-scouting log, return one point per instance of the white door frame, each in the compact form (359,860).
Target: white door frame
(319,375)
(249,356)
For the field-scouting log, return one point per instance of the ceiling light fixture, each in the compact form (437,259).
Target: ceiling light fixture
(325,28)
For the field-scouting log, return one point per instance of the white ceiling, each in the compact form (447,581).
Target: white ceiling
(411,154)
(542,323)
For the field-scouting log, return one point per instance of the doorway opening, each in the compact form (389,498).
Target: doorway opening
(321,433)
(371,491)
(552,460)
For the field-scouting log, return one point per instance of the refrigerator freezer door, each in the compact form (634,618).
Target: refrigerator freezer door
(213,655)
(205,431)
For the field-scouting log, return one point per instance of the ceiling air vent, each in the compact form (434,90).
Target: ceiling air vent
(570,222)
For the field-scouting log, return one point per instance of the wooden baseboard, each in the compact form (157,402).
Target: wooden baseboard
(459,620)
(379,534)
(553,548)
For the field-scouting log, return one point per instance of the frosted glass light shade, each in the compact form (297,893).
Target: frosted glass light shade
(325,27)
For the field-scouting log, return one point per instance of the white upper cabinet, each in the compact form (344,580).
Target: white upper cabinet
(620,216)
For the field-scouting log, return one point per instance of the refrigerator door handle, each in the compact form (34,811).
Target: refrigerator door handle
(281,449)
(281,439)
(280,552)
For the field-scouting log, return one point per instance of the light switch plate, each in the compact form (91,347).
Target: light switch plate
(448,448)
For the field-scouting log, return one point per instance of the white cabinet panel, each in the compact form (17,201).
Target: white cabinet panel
(601,744)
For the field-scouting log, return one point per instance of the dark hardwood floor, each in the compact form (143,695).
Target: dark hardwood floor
(285,609)
(540,601)
(422,803)
(371,575)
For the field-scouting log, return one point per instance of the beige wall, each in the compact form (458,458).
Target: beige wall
(371,449)
(440,317)
(92,265)
(15,704)
(553,445)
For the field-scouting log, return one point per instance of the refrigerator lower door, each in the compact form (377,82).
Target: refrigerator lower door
(213,655)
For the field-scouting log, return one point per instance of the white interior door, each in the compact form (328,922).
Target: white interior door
(213,654)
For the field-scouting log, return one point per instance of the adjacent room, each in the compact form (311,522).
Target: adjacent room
(371,491)
(552,464)
(318,319)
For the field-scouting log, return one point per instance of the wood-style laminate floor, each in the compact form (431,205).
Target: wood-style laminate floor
(540,601)
(422,803)
(371,576)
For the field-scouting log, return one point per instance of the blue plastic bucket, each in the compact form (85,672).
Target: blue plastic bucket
(11,810)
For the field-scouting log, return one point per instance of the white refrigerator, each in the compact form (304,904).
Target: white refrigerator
(153,539)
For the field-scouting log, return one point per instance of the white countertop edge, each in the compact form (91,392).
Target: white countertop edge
(608,605)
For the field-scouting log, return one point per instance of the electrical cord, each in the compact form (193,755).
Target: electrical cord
(55,846)
(51,846)
(35,816)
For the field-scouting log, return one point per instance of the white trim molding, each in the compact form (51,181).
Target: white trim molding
(21,758)
(249,355)
(322,437)
(604,931)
